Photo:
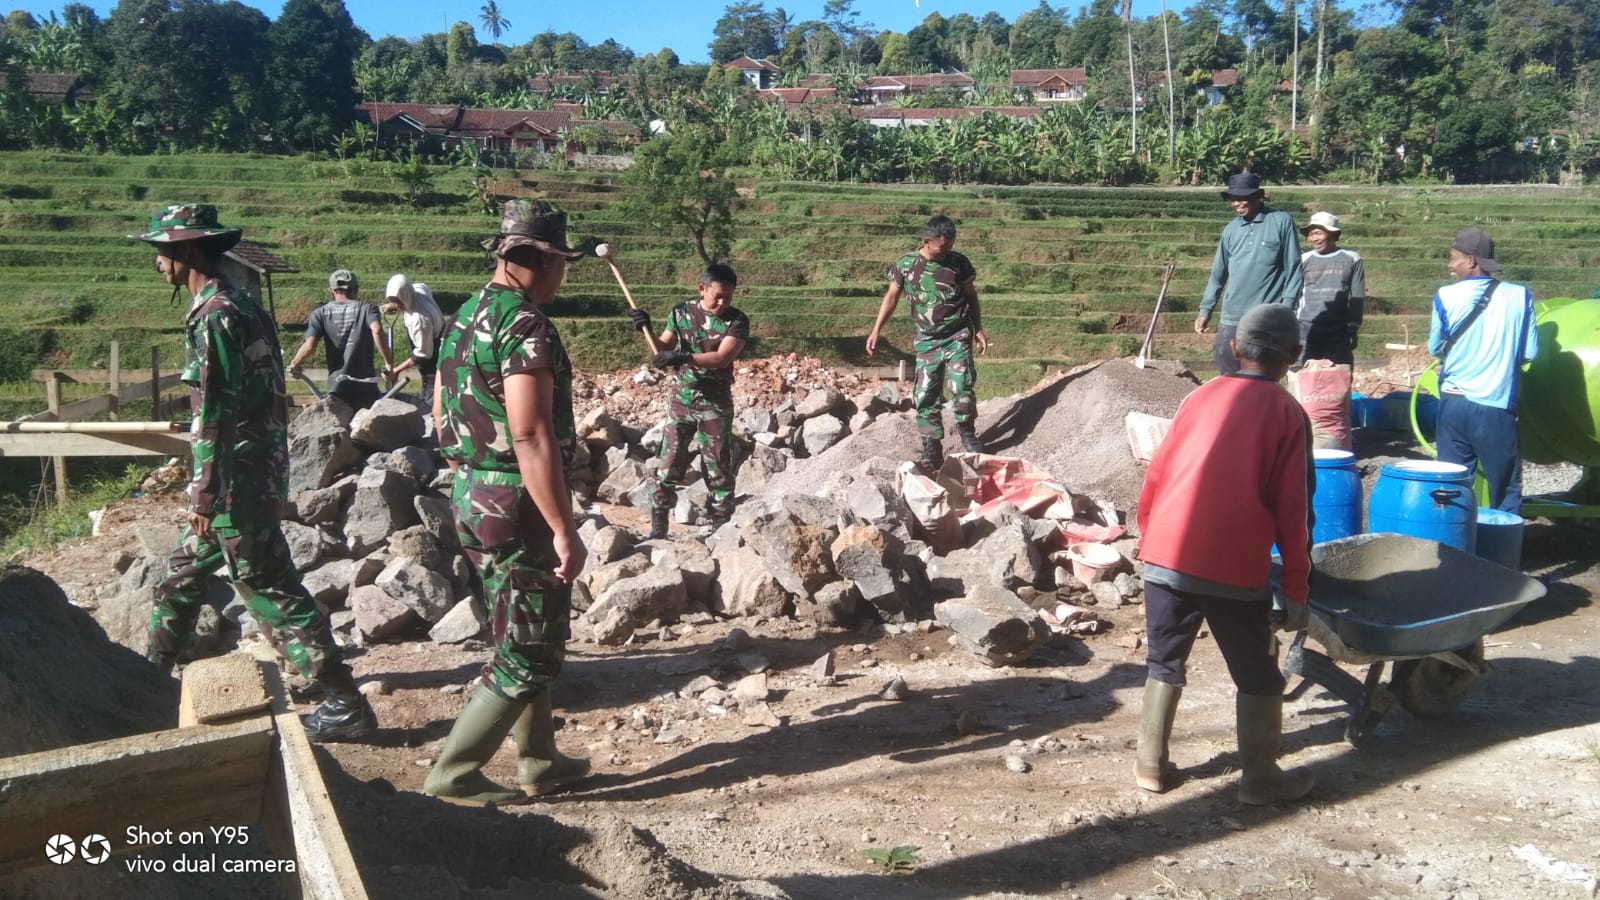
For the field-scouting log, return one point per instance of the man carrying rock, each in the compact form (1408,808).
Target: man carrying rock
(944,306)
(349,330)
(702,340)
(234,370)
(1257,261)
(503,409)
(1233,476)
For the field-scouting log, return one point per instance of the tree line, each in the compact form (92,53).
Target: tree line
(1464,90)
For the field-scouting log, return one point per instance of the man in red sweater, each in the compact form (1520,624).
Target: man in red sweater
(1233,476)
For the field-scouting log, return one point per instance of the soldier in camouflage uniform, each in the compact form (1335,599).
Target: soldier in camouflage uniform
(503,406)
(944,306)
(234,370)
(702,340)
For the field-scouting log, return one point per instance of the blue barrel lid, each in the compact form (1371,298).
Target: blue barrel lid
(1427,470)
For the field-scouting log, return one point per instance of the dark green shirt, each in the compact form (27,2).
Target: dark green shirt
(1257,261)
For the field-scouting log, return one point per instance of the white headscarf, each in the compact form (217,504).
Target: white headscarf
(424,320)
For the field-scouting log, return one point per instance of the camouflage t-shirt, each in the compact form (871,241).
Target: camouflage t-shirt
(234,369)
(937,291)
(701,332)
(498,334)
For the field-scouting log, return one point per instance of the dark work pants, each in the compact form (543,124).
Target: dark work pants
(1222,350)
(1241,628)
(1473,434)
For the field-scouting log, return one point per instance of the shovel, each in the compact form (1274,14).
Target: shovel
(1144,350)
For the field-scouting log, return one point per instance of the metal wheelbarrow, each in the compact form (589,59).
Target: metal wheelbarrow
(1421,605)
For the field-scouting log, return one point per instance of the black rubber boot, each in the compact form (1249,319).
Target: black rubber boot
(163,661)
(932,458)
(658,522)
(345,715)
(969,439)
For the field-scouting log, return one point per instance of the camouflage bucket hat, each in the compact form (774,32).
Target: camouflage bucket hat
(533,223)
(190,222)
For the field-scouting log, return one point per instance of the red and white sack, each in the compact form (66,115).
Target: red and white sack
(1323,389)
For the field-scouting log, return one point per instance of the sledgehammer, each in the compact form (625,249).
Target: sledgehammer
(607,252)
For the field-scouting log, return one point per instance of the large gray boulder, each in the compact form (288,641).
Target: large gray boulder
(380,617)
(864,555)
(609,544)
(695,563)
(422,546)
(438,515)
(423,590)
(994,625)
(763,463)
(325,506)
(383,504)
(820,433)
(388,425)
(307,545)
(796,553)
(463,622)
(412,462)
(655,595)
(600,578)
(329,584)
(747,586)
(624,475)
(320,447)
(821,402)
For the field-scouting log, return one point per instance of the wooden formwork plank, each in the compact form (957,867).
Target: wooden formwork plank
(183,779)
(297,811)
(75,444)
(220,689)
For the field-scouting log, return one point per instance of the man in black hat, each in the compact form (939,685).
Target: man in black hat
(1257,261)
(1483,334)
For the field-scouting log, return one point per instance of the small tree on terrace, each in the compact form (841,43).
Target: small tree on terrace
(681,181)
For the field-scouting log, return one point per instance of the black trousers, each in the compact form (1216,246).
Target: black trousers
(1222,350)
(1240,627)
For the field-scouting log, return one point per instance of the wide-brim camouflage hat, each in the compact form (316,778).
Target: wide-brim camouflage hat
(190,222)
(533,223)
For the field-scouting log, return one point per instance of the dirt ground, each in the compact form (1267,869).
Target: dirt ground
(683,791)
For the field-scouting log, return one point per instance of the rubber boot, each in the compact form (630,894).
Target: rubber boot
(1153,770)
(541,768)
(457,775)
(658,522)
(163,661)
(969,438)
(932,458)
(1260,723)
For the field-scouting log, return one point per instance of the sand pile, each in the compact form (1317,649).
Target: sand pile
(62,681)
(1070,425)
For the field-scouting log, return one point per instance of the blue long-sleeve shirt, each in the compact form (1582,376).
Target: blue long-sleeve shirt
(1484,361)
(1257,261)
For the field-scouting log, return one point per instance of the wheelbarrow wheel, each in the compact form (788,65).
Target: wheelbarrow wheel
(1431,688)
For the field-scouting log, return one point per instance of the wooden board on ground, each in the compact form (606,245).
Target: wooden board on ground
(221,688)
(183,779)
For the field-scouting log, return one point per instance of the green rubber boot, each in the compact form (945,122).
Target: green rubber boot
(1153,770)
(1260,723)
(541,768)
(457,775)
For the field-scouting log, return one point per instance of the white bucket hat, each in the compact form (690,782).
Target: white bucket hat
(1327,221)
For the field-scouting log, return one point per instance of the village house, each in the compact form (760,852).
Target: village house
(759,73)
(439,128)
(54,89)
(584,81)
(1050,85)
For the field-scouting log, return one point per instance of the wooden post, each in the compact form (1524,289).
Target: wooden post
(900,371)
(52,399)
(155,384)
(116,379)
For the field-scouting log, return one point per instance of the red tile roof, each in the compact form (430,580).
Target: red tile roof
(1024,78)
(745,62)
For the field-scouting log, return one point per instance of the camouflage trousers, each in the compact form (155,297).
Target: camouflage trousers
(512,551)
(709,424)
(265,576)
(942,362)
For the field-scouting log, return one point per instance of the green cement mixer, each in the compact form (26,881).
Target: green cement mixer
(1559,404)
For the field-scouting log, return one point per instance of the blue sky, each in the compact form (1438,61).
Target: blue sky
(645,27)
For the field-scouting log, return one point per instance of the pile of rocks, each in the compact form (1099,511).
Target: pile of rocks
(615,462)
(369,527)
(848,555)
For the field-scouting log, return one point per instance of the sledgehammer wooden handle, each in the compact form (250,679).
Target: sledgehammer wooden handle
(648,337)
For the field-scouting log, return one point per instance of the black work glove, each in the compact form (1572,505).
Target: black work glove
(671,359)
(640,319)
(1292,617)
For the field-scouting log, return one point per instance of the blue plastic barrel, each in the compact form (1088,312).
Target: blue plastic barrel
(1499,537)
(1337,502)
(1426,499)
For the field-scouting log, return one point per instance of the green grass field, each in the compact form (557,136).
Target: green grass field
(1065,274)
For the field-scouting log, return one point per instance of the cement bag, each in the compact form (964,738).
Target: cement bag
(930,506)
(1323,389)
(1145,434)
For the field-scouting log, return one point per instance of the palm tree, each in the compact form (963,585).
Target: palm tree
(492,20)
